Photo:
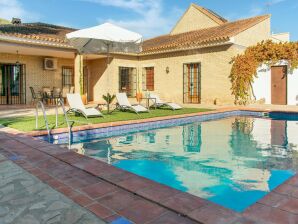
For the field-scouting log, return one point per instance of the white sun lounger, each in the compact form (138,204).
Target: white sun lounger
(76,105)
(124,104)
(159,103)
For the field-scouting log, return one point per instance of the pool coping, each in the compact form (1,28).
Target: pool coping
(185,204)
(139,121)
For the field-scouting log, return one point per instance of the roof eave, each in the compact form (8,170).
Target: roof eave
(228,41)
(19,40)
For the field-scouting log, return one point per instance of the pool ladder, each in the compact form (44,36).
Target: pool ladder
(59,102)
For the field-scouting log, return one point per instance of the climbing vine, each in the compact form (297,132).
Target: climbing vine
(245,66)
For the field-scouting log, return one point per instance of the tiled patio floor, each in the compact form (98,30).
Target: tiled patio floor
(61,170)
(111,193)
(24,199)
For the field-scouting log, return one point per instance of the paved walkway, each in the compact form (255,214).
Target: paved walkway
(92,184)
(24,199)
(7,111)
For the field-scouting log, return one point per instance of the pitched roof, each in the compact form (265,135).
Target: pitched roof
(36,31)
(195,38)
(56,35)
(211,14)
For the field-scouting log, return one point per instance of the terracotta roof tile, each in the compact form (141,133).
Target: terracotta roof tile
(36,31)
(200,37)
(56,34)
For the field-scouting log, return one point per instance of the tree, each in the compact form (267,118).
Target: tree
(245,66)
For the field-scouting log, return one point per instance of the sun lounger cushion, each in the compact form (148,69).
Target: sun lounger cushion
(139,108)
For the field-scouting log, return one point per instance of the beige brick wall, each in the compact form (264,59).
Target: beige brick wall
(36,76)
(255,34)
(193,19)
(215,71)
(103,79)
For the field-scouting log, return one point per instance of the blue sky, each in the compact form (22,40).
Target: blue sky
(148,17)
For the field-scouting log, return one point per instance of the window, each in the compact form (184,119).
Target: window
(148,79)
(127,80)
(67,77)
(15,81)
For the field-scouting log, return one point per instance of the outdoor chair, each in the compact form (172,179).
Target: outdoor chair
(124,104)
(57,94)
(65,91)
(35,97)
(159,103)
(47,95)
(72,89)
(76,105)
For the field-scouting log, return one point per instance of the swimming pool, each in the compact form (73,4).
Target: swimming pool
(233,161)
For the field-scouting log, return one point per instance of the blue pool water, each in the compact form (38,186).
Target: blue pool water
(233,162)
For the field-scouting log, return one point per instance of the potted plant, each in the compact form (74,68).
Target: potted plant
(109,99)
(139,96)
(84,99)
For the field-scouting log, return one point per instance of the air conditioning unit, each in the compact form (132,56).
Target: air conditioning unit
(50,63)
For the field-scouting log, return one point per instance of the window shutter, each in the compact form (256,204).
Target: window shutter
(150,78)
(144,79)
(134,82)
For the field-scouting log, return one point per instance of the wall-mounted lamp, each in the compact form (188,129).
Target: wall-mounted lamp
(167,70)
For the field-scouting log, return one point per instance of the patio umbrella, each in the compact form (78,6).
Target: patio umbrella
(105,38)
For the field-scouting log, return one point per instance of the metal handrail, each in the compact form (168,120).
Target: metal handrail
(69,126)
(58,102)
(44,117)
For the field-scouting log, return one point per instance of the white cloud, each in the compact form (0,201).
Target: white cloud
(274,2)
(152,19)
(263,7)
(135,5)
(13,8)
(255,11)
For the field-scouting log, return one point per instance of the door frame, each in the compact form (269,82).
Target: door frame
(131,81)
(286,76)
(185,78)
(22,82)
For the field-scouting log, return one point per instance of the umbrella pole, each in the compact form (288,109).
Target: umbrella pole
(108,65)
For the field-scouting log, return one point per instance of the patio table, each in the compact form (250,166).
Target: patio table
(148,102)
(48,95)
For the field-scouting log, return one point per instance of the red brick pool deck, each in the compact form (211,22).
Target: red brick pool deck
(111,193)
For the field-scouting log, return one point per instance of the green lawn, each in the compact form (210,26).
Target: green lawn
(28,123)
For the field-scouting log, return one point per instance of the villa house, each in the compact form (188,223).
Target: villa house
(191,64)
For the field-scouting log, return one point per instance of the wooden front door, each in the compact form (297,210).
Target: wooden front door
(279,85)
